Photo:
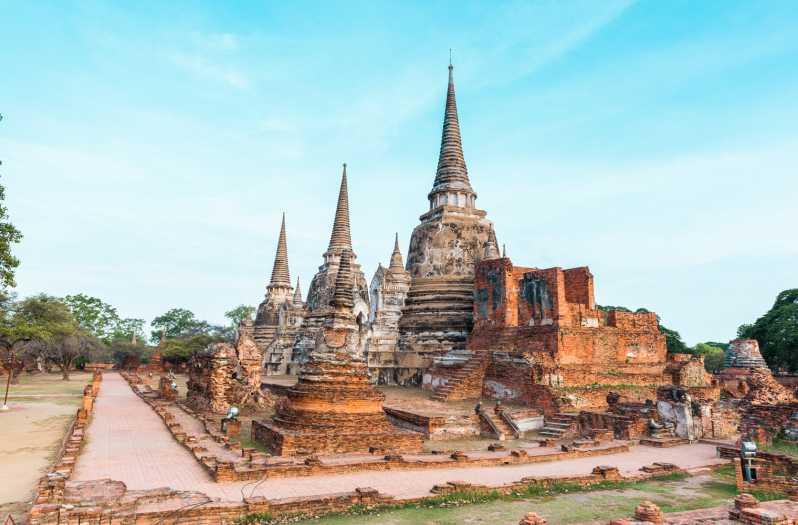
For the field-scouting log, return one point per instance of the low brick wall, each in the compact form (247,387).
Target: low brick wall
(50,489)
(253,465)
(107,501)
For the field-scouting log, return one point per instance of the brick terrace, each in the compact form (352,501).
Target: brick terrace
(127,441)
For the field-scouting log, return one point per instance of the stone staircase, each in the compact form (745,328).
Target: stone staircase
(499,428)
(663,438)
(559,426)
(464,381)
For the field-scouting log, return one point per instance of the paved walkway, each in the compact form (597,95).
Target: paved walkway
(127,441)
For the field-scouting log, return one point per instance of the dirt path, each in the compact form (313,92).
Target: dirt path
(127,441)
(42,407)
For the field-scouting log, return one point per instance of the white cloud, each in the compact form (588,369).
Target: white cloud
(202,67)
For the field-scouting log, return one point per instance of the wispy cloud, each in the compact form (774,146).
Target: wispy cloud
(218,41)
(203,67)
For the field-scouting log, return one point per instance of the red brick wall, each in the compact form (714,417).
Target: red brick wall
(579,286)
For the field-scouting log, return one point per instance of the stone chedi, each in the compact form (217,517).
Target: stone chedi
(742,361)
(539,339)
(280,314)
(744,353)
(444,249)
(322,287)
(333,408)
(387,292)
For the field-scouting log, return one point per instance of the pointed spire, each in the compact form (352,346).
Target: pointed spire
(341,238)
(452,173)
(396,256)
(504,251)
(280,276)
(343,296)
(297,294)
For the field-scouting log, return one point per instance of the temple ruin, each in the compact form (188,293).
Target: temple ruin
(334,408)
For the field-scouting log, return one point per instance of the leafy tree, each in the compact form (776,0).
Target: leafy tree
(130,328)
(9,235)
(57,337)
(179,350)
(713,355)
(177,322)
(126,353)
(94,316)
(777,332)
(239,313)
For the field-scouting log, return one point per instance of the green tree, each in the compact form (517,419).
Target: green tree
(130,328)
(180,349)
(239,313)
(777,332)
(93,315)
(9,235)
(713,354)
(177,322)
(59,338)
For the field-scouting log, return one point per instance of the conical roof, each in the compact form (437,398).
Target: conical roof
(341,238)
(280,275)
(343,295)
(297,294)
(452,173)
(396,256)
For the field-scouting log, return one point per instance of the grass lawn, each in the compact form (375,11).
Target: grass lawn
(599,506)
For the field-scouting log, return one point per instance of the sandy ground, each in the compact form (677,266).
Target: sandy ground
(42,407)
(127,441)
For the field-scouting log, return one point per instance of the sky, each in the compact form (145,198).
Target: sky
(149,148)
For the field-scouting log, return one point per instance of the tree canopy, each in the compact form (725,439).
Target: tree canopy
(239,313)
(777,332)
(48,330)
(9,236)
(177,322)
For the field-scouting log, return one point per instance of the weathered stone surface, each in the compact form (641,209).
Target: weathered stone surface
(280,314)
(322,287)
(444,248)
(334,408)
(224,375)
(388,292)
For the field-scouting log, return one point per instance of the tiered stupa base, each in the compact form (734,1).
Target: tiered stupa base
(333,409)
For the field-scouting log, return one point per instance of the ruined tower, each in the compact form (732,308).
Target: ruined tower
(444,248)
(388,292)
(322,287)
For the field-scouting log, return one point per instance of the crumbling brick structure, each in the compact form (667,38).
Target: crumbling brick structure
(224,375)
(542,341)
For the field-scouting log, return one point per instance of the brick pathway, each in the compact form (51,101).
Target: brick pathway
(127,441)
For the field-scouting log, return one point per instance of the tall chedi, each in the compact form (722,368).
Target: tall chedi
(278,295)
(444,249)
(322,287)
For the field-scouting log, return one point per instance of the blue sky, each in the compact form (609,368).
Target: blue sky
(149,148)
